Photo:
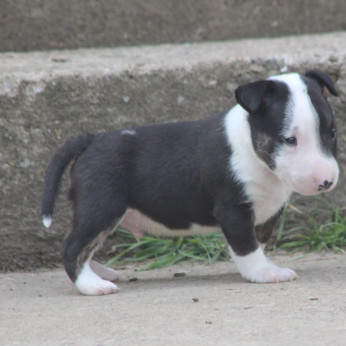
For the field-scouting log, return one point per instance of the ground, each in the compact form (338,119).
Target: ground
(202,305)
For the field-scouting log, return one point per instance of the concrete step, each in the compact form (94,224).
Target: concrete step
(56,24)
(48,97)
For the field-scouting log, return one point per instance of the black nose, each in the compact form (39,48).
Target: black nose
(326,185)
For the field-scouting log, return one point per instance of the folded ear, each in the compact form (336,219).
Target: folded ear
(323,80)
(250,96)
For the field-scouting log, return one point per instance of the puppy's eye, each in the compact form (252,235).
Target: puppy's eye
(333,133)
(291,141)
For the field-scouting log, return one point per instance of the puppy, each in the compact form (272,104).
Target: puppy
(233,171)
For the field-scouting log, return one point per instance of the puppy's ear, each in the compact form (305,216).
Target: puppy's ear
(323,80)
(250,96)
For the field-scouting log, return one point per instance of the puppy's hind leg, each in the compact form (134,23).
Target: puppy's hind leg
(92,283)
(94,219)
(103,271)
(90,277)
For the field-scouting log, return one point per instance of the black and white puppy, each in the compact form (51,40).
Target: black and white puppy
(233,171)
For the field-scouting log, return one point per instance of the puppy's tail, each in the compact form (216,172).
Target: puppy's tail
(63,156)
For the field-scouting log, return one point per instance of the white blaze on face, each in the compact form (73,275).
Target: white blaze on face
(305,166)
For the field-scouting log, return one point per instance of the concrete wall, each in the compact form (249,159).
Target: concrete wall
(47,97)
(60,24)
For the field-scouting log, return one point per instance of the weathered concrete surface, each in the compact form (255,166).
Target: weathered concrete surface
(58,24)
(44,308)
(47,97)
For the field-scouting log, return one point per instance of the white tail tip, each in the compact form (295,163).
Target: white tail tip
(47,221)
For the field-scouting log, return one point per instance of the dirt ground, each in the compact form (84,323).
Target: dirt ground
(202,305)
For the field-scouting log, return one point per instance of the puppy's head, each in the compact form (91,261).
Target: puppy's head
(293,130)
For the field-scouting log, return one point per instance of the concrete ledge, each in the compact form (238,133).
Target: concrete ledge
(48,97)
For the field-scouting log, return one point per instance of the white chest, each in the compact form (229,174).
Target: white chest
(267,199)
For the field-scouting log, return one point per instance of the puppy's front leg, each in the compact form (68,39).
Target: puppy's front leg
(256,267)
(238,227)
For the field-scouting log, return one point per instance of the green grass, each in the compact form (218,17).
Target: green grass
(165,252)
(312,236)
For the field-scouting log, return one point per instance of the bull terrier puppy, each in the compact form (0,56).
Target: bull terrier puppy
(233,171)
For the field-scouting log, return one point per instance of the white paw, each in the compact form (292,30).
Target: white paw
(271,273)
(90,284)
(256,267)
(103,271)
